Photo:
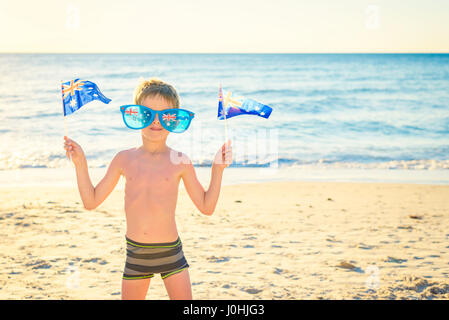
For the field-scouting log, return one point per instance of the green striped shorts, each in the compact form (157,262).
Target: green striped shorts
(143,260)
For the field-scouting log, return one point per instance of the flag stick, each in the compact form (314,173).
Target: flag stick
(226,128)
(225,104)
(65,128)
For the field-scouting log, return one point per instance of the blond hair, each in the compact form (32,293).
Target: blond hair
(156,87)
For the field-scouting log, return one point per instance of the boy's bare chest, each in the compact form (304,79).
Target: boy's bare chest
(154,174)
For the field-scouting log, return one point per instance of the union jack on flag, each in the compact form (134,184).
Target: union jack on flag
(76,93)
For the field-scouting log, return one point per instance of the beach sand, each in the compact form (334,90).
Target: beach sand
(271,240)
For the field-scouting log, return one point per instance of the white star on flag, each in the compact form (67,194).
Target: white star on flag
(73,102)
(223,112)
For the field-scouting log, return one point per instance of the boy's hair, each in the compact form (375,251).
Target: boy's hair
(156,87)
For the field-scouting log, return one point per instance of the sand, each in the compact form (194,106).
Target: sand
(272,240)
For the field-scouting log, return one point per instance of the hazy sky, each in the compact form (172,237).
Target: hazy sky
(224,26)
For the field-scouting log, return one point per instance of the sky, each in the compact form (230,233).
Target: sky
(227,26)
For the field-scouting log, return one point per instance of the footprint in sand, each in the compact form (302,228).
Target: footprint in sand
(278,271)
(332,239)
(218,259)
(22,224)
(39,264)
(395,260)
(96,260)
(7,215)
(71,211)
(349,266)
(251,290)
(364,246)
(346,265)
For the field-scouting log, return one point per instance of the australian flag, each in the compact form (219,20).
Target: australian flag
(235,108)
(76,93)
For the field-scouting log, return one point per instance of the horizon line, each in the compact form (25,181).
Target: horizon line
(25,52)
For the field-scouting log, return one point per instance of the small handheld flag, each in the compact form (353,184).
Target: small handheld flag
(248,106)
(76,93)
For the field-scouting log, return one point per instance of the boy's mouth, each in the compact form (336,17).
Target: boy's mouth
(156,129)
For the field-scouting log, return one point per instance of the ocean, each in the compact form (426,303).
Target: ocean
(350,112)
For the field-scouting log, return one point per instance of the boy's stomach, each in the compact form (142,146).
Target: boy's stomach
(151,227)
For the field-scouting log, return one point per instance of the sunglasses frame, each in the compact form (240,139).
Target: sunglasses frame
(153,113)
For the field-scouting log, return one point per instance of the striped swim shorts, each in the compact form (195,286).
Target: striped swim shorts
(143,260)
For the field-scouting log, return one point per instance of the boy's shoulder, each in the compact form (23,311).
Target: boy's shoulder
(179,157)
(124,155)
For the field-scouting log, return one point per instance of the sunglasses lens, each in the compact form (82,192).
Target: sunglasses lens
(176,120)
(137,117)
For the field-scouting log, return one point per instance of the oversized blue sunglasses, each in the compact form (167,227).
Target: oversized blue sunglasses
(138,117)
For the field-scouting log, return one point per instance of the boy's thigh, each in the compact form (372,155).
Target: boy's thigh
(178,286)
(135,289)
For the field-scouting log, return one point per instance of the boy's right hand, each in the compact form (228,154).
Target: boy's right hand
(74,151)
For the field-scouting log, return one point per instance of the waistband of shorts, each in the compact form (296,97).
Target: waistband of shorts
(173,244)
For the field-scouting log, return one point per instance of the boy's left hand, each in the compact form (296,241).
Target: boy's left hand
(223,158)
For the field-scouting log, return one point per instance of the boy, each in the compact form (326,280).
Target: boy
(152,172)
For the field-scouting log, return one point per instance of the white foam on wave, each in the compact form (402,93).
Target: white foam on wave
(423,164)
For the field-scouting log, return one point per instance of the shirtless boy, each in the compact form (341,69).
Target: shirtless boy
(152,172)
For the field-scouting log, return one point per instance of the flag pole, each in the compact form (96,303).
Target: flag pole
(226,125)
(63,114)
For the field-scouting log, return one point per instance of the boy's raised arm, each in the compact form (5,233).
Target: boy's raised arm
(206,201)
(193,187)
(93,197)
(106,185)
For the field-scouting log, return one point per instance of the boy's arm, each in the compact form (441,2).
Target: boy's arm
(93,197)
(206,201)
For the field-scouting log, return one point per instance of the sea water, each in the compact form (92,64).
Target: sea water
(355,116)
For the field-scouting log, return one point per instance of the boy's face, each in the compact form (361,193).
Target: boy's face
(155,131)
